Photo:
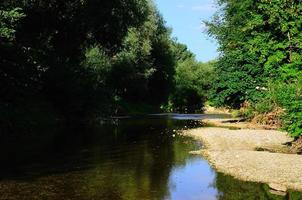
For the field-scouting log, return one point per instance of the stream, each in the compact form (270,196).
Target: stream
(138,158)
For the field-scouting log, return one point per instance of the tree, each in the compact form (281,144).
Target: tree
(192,80)
(259,42)
(47,56)
(8,22)
(83,58)
(260,46)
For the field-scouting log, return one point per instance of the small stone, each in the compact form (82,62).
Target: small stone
(195,152)
(278,193)
(277,187)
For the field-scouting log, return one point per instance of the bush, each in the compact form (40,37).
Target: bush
(264,107)
(281,105)
(192,82)
(291,100)
(288,96)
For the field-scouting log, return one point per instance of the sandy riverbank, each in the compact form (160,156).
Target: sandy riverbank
(236,153)
(237,123)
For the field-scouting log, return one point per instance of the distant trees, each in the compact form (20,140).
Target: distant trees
(59,57)
(145,63)
(81,59)
(140,70)
(260,44)
(192,81)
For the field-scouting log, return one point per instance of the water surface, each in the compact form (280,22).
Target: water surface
(131,158)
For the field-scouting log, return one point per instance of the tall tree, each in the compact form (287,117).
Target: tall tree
(259,41)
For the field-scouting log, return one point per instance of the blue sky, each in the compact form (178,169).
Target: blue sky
(185,18)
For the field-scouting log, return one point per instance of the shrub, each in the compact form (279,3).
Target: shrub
(264,107)
(293,109)
(280,106)
(288,96)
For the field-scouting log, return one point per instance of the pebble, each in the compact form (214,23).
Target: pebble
(277,187)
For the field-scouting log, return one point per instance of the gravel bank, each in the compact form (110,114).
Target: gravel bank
(234,152)
(243,139)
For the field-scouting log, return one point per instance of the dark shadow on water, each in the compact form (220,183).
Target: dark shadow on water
(232,189)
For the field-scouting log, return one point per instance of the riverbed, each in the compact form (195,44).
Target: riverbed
(127,158)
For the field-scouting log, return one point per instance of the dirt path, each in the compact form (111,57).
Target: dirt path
(234,152)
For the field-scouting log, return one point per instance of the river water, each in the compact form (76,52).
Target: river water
(125,159)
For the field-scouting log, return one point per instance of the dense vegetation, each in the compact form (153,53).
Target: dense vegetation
(192,81)
(261,58)
(84,59)
(87,59)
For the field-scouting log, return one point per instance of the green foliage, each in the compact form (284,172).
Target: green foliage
(192,81)
(8,22)
(289,97)
(260,43)
(264,106)
(84,59)
(49,57)
(286,96)
(145,63)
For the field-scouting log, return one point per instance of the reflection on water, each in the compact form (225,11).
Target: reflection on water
(131,159)
(194,180)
